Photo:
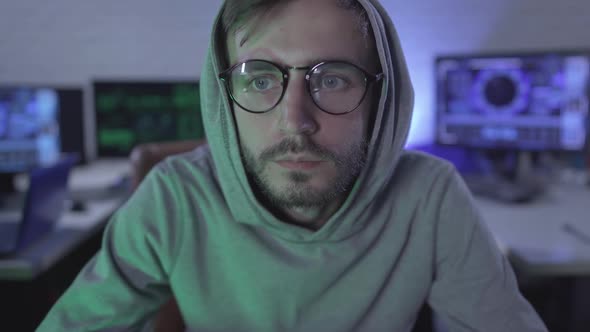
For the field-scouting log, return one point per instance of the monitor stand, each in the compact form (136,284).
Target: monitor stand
(7,184)
(508,177)
(7,188)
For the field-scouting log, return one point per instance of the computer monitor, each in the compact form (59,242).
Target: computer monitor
(29,130)
(128,113)
(513,101)
(72,117)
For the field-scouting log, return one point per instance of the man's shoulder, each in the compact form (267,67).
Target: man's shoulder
(420,162)
(417,173)
(197,158)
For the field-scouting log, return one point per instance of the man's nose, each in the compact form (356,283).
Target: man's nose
(298,111)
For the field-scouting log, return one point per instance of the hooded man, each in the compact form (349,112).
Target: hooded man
(303,212)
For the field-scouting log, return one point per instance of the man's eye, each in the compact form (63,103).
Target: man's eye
(262,83)
(333,82)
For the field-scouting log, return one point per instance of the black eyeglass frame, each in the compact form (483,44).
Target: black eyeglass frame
(369,79)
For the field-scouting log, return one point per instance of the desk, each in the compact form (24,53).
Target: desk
(534,235)
(551,260)
(74,228)
(32,280)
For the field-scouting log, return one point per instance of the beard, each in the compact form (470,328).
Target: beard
(298,192)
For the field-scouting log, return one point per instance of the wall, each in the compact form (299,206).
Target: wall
(70,42)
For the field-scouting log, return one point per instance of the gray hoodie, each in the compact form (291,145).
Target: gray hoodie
(408,233)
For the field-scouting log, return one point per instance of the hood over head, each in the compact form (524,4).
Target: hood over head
(386,144)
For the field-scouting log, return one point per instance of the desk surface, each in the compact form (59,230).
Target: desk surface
(549,236)
(74,227)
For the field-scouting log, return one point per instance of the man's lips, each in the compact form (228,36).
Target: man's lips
(299,163)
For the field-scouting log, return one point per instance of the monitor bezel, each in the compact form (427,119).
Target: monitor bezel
(502,54)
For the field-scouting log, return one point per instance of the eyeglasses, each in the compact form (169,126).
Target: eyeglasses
(336,87)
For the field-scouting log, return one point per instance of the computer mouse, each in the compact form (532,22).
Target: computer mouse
(78,206)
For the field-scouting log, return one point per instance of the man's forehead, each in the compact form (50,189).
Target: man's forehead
(304,33)
(284,13)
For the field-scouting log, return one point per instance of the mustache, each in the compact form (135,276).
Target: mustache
(297,146)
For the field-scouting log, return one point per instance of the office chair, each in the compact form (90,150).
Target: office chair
(143,157)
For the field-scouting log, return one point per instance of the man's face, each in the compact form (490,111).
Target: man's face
(296,155)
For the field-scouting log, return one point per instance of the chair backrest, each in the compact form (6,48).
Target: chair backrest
(143,157)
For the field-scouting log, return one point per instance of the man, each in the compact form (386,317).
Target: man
(303,213)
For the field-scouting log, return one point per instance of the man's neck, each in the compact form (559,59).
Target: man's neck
(310,217)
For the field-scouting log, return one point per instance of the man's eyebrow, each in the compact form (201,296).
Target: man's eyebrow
(264,52)
(244,39)
(268,55)
(242,29)
(315,61)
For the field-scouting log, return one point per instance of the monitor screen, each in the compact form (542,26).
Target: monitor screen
(534,101)
(133,112)
(29,128)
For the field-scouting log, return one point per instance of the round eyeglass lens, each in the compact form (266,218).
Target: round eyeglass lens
(256,86)
(337,87)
